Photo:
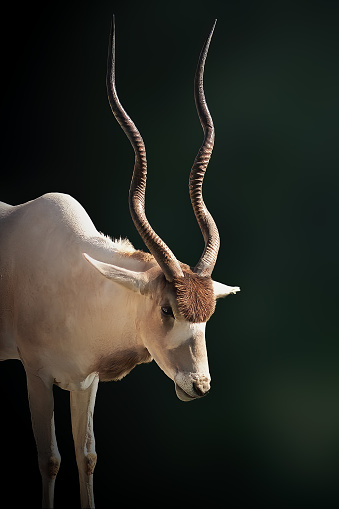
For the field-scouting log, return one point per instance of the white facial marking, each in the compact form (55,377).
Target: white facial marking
(182,332)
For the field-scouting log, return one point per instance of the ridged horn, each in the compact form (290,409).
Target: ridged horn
(163,255)
(205,220)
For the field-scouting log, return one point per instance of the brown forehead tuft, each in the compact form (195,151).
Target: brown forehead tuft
(195,297)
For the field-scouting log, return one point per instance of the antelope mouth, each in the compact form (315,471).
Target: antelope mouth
(182,395)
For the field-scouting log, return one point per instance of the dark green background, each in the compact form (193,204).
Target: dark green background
(268,433)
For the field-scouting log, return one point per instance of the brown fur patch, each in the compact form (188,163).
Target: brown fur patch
(53,466)
(119,364)
(195,297)
(141,256)
(91,461)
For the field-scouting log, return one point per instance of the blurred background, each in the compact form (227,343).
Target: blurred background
(268,433)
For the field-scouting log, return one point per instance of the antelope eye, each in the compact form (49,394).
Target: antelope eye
(167,311)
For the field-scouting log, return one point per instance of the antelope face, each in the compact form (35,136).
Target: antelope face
(174,333)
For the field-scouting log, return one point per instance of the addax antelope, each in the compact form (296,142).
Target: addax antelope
(77,307)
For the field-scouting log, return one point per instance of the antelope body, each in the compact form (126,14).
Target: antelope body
(77,307)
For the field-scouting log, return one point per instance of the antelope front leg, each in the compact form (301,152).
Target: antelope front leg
(41,404)
(82,409)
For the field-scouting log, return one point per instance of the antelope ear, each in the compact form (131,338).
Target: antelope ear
(136,281)
(221,290)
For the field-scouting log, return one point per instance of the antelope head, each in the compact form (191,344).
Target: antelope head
(178,299)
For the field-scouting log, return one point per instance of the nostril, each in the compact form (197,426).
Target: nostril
(200,388)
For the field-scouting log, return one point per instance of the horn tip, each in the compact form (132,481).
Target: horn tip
(113,23)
